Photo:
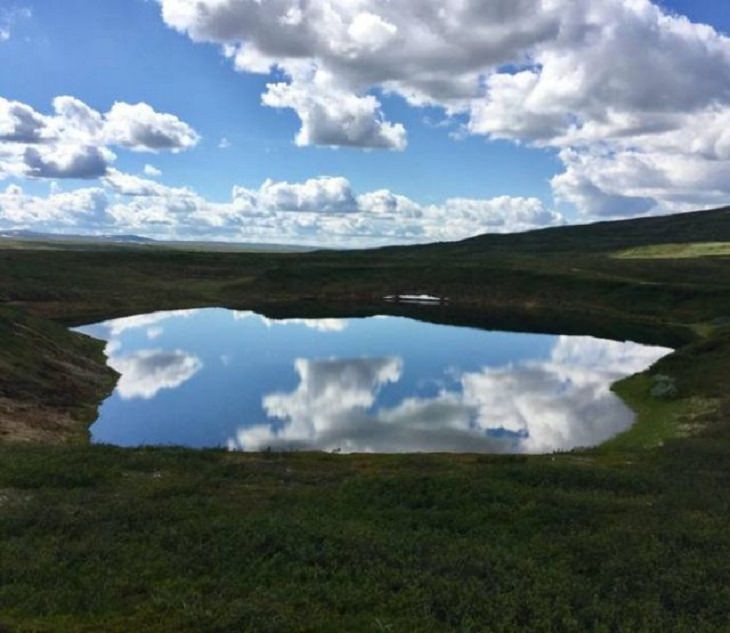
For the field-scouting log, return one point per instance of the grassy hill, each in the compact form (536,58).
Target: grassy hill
(698,226)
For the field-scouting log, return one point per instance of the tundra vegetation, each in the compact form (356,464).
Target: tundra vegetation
(629,536)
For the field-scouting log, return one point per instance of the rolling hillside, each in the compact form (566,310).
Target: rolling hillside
(697,226)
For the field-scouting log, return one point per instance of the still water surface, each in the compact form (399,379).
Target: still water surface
(215,377)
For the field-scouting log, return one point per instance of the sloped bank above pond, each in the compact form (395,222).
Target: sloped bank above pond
(51,380)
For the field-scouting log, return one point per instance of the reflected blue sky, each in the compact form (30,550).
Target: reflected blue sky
(215,377)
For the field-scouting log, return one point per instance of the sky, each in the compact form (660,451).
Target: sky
(358,122)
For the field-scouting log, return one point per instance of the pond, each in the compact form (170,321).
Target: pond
(222,378)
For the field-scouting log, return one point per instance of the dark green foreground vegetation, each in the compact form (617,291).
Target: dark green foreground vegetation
(631,536)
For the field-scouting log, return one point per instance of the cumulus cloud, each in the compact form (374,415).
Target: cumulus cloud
(607,84)
(631,181)
(67,161)
(576,187)
(324,211)
(75,141)
(130,185)
(81,209)
(19,122)
(326,194)
(141,129)
(332,116)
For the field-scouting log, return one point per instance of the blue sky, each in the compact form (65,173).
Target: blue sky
(122,51)
(458,147)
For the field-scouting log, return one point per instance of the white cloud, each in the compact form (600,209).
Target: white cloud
(74,121)
(324,195)
(152,171)
(607,84)
(19,122)
(368,31)
(385,203)
(332,116)
(622,182)
(139,128)
(501,214)
(130,185)
(67,161)
(577,187)
(81,209)
(324,211)
(75,141)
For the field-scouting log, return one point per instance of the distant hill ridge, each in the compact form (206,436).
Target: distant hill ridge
(23,234)
(681,228)
(612,235)
(71,240)
(696,226)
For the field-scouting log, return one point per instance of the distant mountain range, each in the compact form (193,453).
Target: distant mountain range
(137,240)
(22,234)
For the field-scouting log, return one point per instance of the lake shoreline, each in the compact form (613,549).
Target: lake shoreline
(531,321)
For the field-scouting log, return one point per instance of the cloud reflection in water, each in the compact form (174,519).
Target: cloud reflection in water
(382,384)
(146,372)
(533,406)
(321,325)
